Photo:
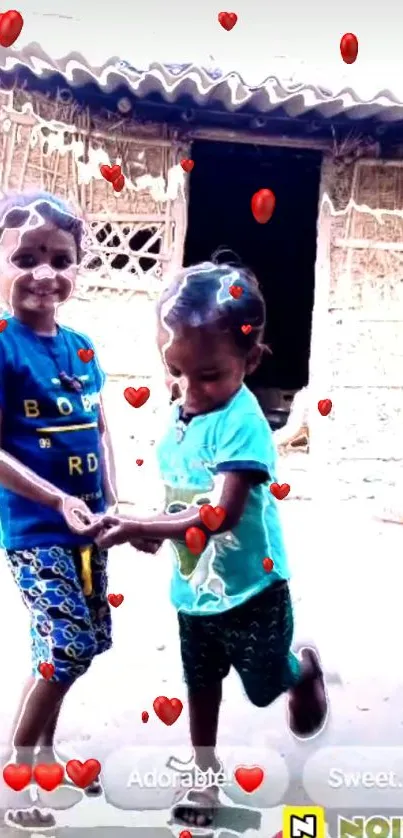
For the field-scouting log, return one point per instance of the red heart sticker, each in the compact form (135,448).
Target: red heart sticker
(17,777)
(236,291)
(11,24)
(137,396)
(168,710)
(324,407)
(83,773)
(85,355)
(227,20)
(3,325)
(249,779)
(268,564)
(195,540)
(280,492)
(187,165)
(49,775)
(47,670)
(212,517)
(119,183)
(139,462)
(262,205)
(115,600)
(185,834)
(110,173)
(144,717)
(349,48)
(246,329)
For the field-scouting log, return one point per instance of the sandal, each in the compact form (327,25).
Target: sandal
(308,705)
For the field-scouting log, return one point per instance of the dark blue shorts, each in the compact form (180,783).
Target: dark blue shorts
(255,638)
(67,628)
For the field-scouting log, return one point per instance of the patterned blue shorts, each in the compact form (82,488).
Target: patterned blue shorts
(67,628)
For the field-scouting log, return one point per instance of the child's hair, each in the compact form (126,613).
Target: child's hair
(200,296)
(15,210)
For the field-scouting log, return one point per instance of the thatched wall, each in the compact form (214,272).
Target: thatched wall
(360,350)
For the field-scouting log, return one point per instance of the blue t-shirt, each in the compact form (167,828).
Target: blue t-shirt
(50,430)
(193,461)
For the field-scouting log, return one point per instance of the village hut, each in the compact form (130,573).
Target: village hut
(329,262)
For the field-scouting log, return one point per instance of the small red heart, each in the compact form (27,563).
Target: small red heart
(212,517)
(119,183)
(85,355)
(227,20)
(185,834)
(262,205)
(280,492)
(11,24)
(187,165)
(110,173)
(144,716)
(168,710)
(246,329)
(268,564)
(249,779)
(48,775)
(324,407)
(139,462)
(136,396)
(83,773)
(3,325)
(195,540)
(47,670)
(349,48)
(236,291)
(17,777)
(115,600)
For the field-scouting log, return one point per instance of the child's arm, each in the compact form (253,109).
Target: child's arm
(19,479)
(108,461)
(233,498)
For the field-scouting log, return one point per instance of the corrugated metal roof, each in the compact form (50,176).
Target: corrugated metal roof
(291,85)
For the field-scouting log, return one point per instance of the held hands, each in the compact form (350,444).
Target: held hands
(108,530)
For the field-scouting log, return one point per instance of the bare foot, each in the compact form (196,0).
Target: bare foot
(308,703)
(197,805)
(29,819)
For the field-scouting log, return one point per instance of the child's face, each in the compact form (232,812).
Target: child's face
(208,365)
(38,267)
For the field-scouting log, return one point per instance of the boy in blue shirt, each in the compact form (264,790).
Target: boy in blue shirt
(218,451)
(56,467)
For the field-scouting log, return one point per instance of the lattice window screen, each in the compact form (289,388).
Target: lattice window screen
(133,249)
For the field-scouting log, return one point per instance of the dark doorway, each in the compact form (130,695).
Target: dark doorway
(281,253)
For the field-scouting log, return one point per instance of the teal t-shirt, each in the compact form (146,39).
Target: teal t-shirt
(194,459)
(53,432)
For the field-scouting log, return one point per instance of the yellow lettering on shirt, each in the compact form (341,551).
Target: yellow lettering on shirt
(31,408)
(64,406)
(75,466)
(92,462)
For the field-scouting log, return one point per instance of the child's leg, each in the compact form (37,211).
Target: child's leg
(205,666)
(268,668)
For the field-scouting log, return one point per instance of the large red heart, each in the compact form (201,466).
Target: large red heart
(280,492)
(47,670)
(85,355)
(137,396)
(212,517)
(3,325)
(324,407)
(262,205)
(249,779)
(187,165)
(119,183)
(227,20)
(11,24)
(236,291)
(115,600)
(83,773)
(17,776)
(195,540)
(167,709)
(110,173)
(49,775)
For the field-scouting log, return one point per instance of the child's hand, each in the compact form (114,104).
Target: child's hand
(79,518)
(115,531)
(145,546)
